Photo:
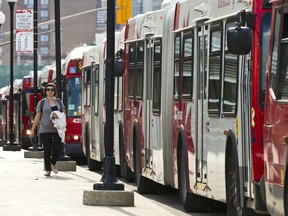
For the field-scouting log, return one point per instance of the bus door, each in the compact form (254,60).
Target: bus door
(147,122)
(154,148)
(202,124)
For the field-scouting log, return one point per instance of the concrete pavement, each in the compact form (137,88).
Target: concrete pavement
(25,191)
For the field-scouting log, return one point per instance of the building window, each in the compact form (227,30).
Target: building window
(44,27)
(28,2)
(44,50)
(44,2)
(44,38)
(44,14)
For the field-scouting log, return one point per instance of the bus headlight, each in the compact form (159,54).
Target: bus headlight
(76,137)
(28,132)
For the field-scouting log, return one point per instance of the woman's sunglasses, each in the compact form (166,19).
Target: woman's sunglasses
(50,89)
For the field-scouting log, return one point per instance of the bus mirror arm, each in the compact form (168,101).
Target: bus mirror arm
(241,18)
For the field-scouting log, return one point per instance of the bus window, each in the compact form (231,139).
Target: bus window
(96,96)
(157,77)
(230,80)
(265,37)
(274,57)
(131,77)
(214,71)
(139,70)
(282,87)
(177,46)
(187,65)
(74,96)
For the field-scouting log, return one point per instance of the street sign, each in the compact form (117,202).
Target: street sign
(24,30)
(24,41)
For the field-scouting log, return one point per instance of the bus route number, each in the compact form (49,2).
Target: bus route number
(77,120)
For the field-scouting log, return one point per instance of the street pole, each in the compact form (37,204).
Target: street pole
(62,156)
(35,146)
(11,130)
(108,180)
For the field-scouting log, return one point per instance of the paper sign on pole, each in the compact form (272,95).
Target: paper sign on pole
(24,30)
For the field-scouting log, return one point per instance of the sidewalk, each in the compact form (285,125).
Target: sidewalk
(25,191)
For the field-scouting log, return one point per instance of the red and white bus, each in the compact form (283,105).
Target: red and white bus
(27,106)
(71,92)
(4,112)
(276,113)
(194,111)
(93,105)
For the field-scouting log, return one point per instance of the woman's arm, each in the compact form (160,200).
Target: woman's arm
(35,123)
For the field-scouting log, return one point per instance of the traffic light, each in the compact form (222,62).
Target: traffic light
(124,11)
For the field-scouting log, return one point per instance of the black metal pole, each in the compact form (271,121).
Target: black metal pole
(35,146)
(11,134)
(58,48)
(108,180)
(62,155)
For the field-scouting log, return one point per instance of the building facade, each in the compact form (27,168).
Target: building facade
(78,26)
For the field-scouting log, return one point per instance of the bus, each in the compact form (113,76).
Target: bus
(276,113)
(92,108)
(71,93)
(93,105)
(3,112)
(27,106)
(193,111)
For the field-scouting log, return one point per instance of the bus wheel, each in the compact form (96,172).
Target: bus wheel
(233,186)
(144,185)
(129,175)
(121,153)
(232,183)
(190,202)
(93,165)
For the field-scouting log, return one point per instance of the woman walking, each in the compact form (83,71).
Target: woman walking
(48,133)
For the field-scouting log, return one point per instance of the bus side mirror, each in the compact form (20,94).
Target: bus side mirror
(69,90)
(239,40)
(118,68)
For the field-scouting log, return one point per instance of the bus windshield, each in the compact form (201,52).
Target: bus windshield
(266,20)
(73,107)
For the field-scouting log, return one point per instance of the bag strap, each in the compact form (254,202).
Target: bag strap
(60,104)
(41,106)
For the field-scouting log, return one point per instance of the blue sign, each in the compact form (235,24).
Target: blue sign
(72,70)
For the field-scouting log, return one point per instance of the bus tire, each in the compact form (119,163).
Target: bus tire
(233,194)
(129,175)
(190,202)
(93,165)
(120,169)
(137,164)
(144,185)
